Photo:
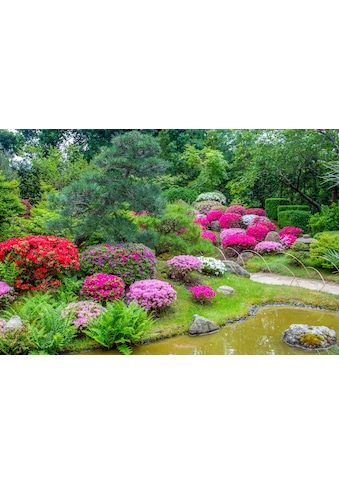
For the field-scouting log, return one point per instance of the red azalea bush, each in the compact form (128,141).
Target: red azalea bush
(103,287)
(230,220)
(239,242)
(40,260)
(202,294)
(209,235)
(290,230)
(257,211)
(235,209)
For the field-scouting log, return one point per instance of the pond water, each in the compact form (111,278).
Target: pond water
(260,334)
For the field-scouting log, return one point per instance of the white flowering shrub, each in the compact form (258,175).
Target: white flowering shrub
(215,196)
(247,218)
(212,266)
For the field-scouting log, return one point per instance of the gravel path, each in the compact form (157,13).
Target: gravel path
(276,279)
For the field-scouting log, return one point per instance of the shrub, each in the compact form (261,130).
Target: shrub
(290,230)
(326,220)
(213,215)
(262,220)
(272,204)
(235,209)
(15,342)
(212,266)
(247,219)
(229,232)
(300,254)
(202,294)
(40,260)
(181,266)
(103,287)
(120,325)
(319,249)
(202,221)
(258,231)
(214,196)
(83,312)
(268,247)
(204,206)
(152,294)
(294,218)
(288,240)
(180,193)
(209,235)
(283,208)
(255,211)
(239,242)
(129,261)
(6,294)
(230,220)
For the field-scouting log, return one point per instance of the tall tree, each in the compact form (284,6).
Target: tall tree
(124,179)
(10,204)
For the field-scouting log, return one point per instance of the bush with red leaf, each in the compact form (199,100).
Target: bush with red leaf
(40,260)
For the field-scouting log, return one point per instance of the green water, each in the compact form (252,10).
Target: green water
(257,335)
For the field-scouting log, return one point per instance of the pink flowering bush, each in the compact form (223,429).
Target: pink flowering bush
(6,294)
(209,235)
(229,232)
(269,247)
(257,211)
(129,261)
(152,294)
(290,230)
(230,220)
(181,266)
(83,312)
(214,215)
(235,209)
(258,231)
(202,294)
(201,220)
(262,220)
(288,240)
(105,287)
(239,242)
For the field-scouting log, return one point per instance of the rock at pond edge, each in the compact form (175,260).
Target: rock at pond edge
(202,326)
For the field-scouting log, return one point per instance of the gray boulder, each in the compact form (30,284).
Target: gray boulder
(202,326)
(215,226)
(244,256)
(226,290)
(272,236)
(235,268)
(14,323)
(310,337)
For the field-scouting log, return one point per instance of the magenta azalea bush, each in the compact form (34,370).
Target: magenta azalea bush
(202,294)
(209,235)
(230,232)
(214,215)
(152,294)
(290,230)
(201,220)
(181,266)
(255,210)
(235,209)
(105,287)
(129,261)
(6,294)
(288,240)
(230,220)
(262,220)
(83,312)
(266,247)
(258,231)
(239,242)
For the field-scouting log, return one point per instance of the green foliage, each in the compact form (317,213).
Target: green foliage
(47,331)
(9,271)
(283,208)
(272,204)
(121,326)
(300,254)
(326,220)
(332,255)
(180,193)
(176,233)
(295,218)
(15,342)
(319,249)
(10,204)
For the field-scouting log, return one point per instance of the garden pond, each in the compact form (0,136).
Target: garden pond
(259,334)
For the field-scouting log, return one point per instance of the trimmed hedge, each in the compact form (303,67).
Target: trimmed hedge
(283,208)
(180,193)
(272,204)
(294,218)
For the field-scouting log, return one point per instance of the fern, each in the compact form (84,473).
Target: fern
(9,271)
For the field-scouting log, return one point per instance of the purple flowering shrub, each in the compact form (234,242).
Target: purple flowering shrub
(180,267)
(6,294)
(83,312)
(103,287)
(152,294)
(209,235)
(269,247)
(129,261)
(202,294)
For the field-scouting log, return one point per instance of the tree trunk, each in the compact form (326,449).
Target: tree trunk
(287,182)
(335,194)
